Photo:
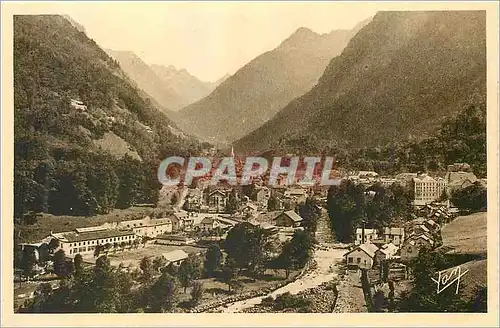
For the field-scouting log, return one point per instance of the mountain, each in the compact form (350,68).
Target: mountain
(398,78)
(76,116)
(221,80)
(257,91)
(148,80)
(187,86)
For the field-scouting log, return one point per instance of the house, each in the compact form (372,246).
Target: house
(432,225)
(217,200)
(405,179)
(78,105)
(180,220)
(296,193)
(409,250)
(84,240)
(174,240)
(147,227)
(250,209)
(370,234)
(261,195)
(420,228)
(458,179)
(394,235)
(175,257)
(367,174)
(423,240)
(209,224)
(386,252)
(427,189)
(288,219)
(387,182)
(362,256)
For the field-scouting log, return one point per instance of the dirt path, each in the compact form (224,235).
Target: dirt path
(326,258)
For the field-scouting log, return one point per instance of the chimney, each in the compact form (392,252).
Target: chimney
(363,233)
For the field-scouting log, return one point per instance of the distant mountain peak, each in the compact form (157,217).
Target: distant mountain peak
(258,90)
(301,35)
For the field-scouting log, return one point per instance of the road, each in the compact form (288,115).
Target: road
(326,257)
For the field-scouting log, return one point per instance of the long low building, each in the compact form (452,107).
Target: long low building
(84,241)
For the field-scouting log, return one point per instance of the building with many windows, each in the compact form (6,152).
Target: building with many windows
(427,189)
(84,240)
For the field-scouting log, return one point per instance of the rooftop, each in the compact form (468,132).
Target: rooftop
(292,215)
(92,235)
(176,255)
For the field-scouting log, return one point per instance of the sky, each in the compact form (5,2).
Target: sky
(208,39)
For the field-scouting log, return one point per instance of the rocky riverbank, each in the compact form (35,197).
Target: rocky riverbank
(320,299)
(216,307)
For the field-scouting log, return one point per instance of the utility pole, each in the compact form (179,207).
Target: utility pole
(363,222)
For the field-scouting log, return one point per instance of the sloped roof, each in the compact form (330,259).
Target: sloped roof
(144,222)
(217,191)
(207,220)
(368,248)
(176,255)
(394,231)
(425,178)
(292,215)
(367,231)
(92,235)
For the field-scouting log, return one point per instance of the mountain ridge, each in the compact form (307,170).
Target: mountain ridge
(425,56)
(263,86)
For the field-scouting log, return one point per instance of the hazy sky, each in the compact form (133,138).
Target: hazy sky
(207,39)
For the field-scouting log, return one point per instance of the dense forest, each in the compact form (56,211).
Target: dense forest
(460,138)
(59,166)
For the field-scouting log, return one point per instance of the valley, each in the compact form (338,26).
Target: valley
(397,100)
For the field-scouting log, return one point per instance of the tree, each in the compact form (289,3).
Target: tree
(28,262)
(346,204)
(98,249)
(470,199)
(78,260)
(147,268)
(423,296)
(158,263)
(189,270)
(229,273)
(248,246)
(53,245)
(60,267)
(213,259)
(310,213)
(43,252)
(233,203)
(107,247)
(196,293)
(163,294)
(273,203)
(171,269)
(295,253)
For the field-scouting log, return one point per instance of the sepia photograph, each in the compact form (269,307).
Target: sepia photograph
(250,158)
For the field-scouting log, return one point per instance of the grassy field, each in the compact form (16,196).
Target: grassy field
(133,257)
(215,290)
(48,222)
(467,234)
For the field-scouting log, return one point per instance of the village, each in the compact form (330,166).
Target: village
(188,220)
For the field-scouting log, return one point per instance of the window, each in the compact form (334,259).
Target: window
(350,259)
(358,260)
(70,251)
